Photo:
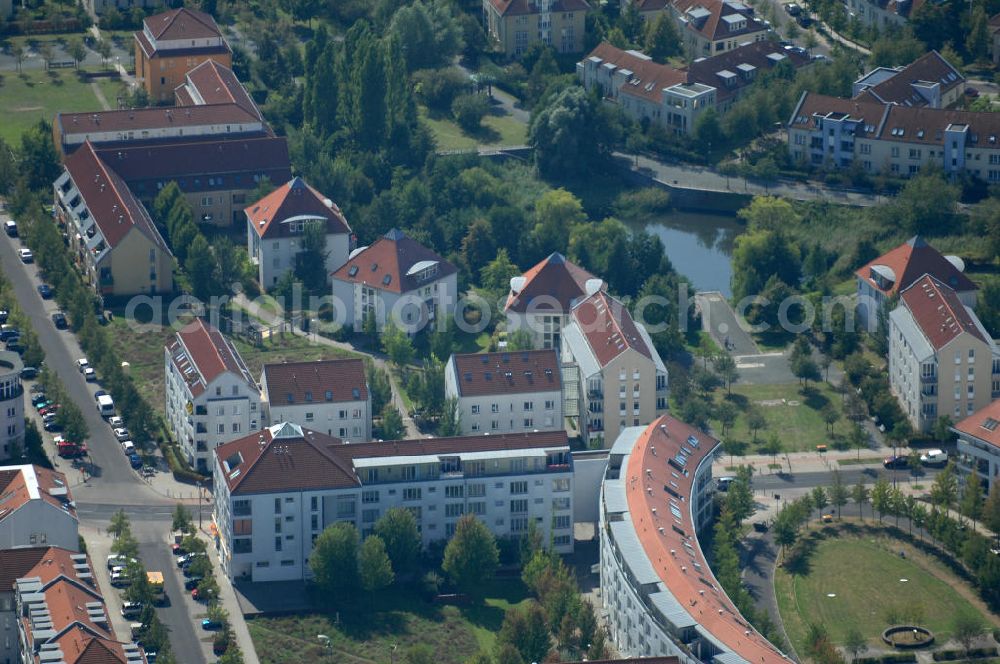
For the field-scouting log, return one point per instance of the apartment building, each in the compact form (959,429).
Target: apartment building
(277,223)
(929,81)
(11,405)
(896,270)
(62,618)
(707,27)
(979,444)
(171,44)
(277,490)
(325,395)
(112,239)
(37,510)
(893,139)
(211,397)
(659,593)
(941,359)
(396,279)
(541,299)
(612,375)
(882,14)
(506,392)
(676,98)
(515,25)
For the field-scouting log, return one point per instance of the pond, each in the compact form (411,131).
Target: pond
(700,245)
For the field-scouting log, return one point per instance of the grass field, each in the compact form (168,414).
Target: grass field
(793,414)
(366,633)
(497,130)
(864,574)
(25,98)
(143,350)
(286,349)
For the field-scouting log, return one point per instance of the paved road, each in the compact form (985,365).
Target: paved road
(848,474)
(719,319)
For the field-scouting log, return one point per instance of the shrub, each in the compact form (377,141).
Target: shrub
(897,658)
(469,111)
(437,88)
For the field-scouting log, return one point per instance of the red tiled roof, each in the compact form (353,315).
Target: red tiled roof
(714,27)
(651,5)
(215,83)
(650,77)
(266,155)
(811,104)
(608,328)
(99,651)
(754,54)
(140,119)
(309,382)
(554,280)
(18,563)
(286,457)
(515,372)
(698,592)
(633,660)
(930,67)
(519,7)
(385,264)
(151,51)
(984,424)
(182,23)
(938,312)
(205,349)
(912,260)
(926,126)
(293,200)
(22,484)
(114,208)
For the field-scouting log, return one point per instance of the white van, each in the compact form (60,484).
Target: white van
(105,405)
(934,458)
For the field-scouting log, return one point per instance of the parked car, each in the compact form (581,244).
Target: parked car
(45,291)
(4,315)
(42,404)
(10,227)
(896,462)
(128,447)
(135,461)
(98,394)
(59,320)
(29,373)
(793,9)
(26,256)
(723,483)
(934,457)
(971,92)
(90,375)
(121,434)
(119,579)
(51,408)
(192,583)
(115,560)
(82,364)
(38,398)
(209,624)
(52,426)
(131,609)
(115,420)
(9,332)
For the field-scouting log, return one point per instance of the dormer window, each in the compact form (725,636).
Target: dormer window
(352,271)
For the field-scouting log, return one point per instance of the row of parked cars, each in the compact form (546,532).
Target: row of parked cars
(935,458)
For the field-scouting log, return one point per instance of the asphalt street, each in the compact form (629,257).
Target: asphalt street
(848,474)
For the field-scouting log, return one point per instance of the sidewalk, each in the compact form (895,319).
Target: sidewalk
(227,597)
(801,462)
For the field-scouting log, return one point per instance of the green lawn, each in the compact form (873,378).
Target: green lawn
(367,632)
(791,413)
(33,95)
(864,575)
(143,350)
(497,130)
(287,349)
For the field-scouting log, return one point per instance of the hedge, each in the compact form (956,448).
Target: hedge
(972,653)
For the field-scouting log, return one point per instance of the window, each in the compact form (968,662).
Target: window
(478,508)
(495,408)
(236,427)
(314,522)
(529,406)
(972,355)
(277,505)
(475,409)
(519,506)
(560,540)
(277,524)
(372,476)
(560,485)
(529,422)
(411,494)
(560,503)
(369,497)
(241,507)
(519,525)
(454,491)
(454,509)
(550,404)
(409,472)
(314,503)
(277,543)
(309,417)
(519,488)
(243,545)
(369,516)
(477,490)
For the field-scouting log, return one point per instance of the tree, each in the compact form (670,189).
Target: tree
(524,628)
(858,438)
(725,366)
(77,51)
(991,510)
(397,529)
(739,500)
(726,412)
(397,344)
(859,494)
(755,421)
(772,446)
(971,505)
(661,39)
(520,339)
(942,429)
(119,524)
(506,653)
(855,643)
(200,267)
(469,111)
(374,568)
(310,261)
(39,159)
(944,490)
(839,493)
(978,38)
(104,50)
(334,560)
(785,529)
(830,415)
(471,556)
(556,213)
(18,52)
(379,386)
(571,134)
(182,519)
(966,628)
(819,498)
(760,255)
(478,249)
(392,426)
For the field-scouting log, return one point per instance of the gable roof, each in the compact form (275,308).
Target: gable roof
(929,68)
(515,372)
(984,424)
(293,201)
(139,119)
(648,78)
(394,263)
(114,208)
(938,312)
(213,83)
(201,353)
(554,284)
(907,263)
(182,23)
(760,55)
(287,457)
(20,485)
(861,109)
(521,7)
(608,328)
(707,17)
(318,382)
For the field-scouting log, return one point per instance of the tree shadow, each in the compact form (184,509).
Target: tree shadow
(813,398)
(483,134)
(741,401)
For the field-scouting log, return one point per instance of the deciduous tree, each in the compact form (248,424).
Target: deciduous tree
(334,560)
(471,556)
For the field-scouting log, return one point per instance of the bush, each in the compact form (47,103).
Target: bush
(430,585)
(972,653)
(640,202)
(897,658)
(437,88)
(469,111)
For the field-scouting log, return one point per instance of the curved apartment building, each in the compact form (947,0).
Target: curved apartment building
(660,595)
(11,405)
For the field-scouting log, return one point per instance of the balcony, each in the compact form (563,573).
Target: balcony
(928,379)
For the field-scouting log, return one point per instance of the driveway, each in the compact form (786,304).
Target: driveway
(719,320)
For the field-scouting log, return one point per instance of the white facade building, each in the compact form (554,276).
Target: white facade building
(660,596)
(979,445)
(210,395)
(395,278)
(505,392)
(11,405)
(326,395)
(276,491)
(276,226)
(38,509)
